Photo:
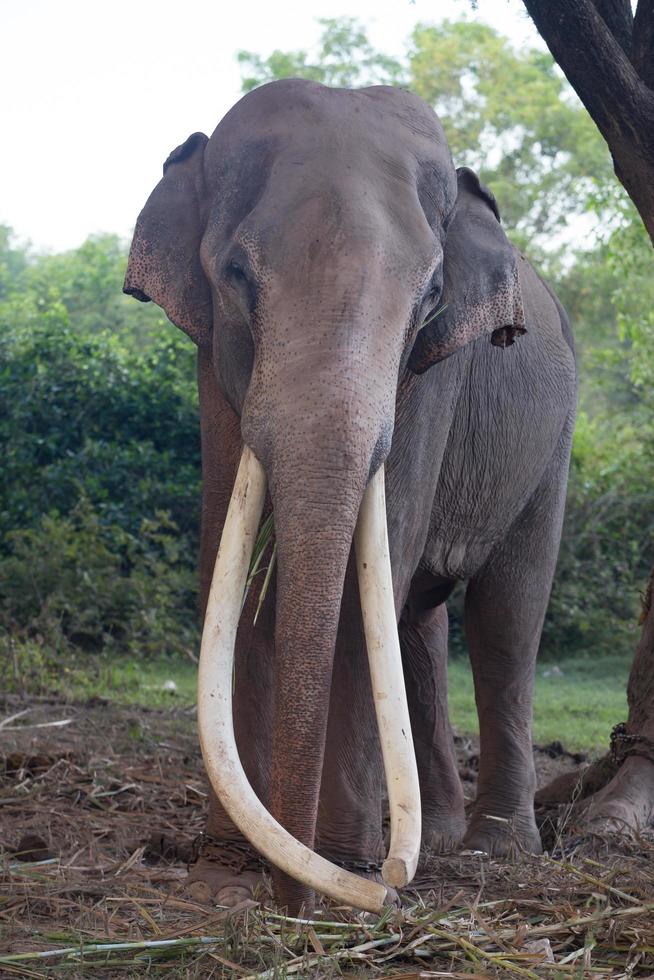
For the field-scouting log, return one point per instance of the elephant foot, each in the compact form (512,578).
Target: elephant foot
(225,873)
(443,834)
(503,837)
(626,804)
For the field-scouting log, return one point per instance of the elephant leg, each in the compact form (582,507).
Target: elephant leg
(423,638)
(504,612)
(349,825)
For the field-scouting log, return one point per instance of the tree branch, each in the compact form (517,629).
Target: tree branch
(619,19)
(597,68)
(619,101)
(642,54)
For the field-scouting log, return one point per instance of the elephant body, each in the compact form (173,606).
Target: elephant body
(332,226)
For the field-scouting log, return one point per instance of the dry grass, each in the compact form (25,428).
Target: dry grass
(107,794)
(576,914)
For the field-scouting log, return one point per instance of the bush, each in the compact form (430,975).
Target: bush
(606,547)
(100,482)
(77,581)
(85,415)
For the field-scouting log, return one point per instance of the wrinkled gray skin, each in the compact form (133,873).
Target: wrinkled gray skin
(302,247)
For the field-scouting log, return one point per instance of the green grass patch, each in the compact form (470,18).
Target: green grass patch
(30,668)
(155,683)
(578,704)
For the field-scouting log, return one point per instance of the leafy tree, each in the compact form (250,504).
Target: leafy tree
(13,263)
(630,259)
(510,115)
(344,58)
(87,281)
(78,581)
(82,413)
(607,549)
(607,53)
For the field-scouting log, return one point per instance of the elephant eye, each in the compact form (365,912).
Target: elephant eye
(236,271)
(239,276)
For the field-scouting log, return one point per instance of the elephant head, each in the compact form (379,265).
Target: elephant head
(306,243)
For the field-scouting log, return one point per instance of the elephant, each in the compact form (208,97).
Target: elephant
(360,318)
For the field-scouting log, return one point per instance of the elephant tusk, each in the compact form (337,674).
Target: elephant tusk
(215,720)
(385,659)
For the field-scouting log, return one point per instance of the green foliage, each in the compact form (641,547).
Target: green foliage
(629,254)
(77,581)
(608,543)
(588,290)
(86,283)
(344,58)
(512,116)
(13,263)
(100,483)
(606,549)
(82,410)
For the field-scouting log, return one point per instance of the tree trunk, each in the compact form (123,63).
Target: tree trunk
(616,793)
(607,56)
(640,692)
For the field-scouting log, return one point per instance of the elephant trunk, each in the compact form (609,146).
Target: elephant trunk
(215,720)
(315,515)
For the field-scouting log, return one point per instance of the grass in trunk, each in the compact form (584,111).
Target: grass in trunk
(265,537)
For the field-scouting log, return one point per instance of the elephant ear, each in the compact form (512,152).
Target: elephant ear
(481,285)
(164,260)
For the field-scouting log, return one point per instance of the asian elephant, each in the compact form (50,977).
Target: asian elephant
(359,311)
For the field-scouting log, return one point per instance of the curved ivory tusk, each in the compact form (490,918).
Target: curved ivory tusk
(215,721)
(382,641)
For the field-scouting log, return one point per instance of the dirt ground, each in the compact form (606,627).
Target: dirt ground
(99,808)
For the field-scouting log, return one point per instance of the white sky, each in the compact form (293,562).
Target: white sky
(96,94)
